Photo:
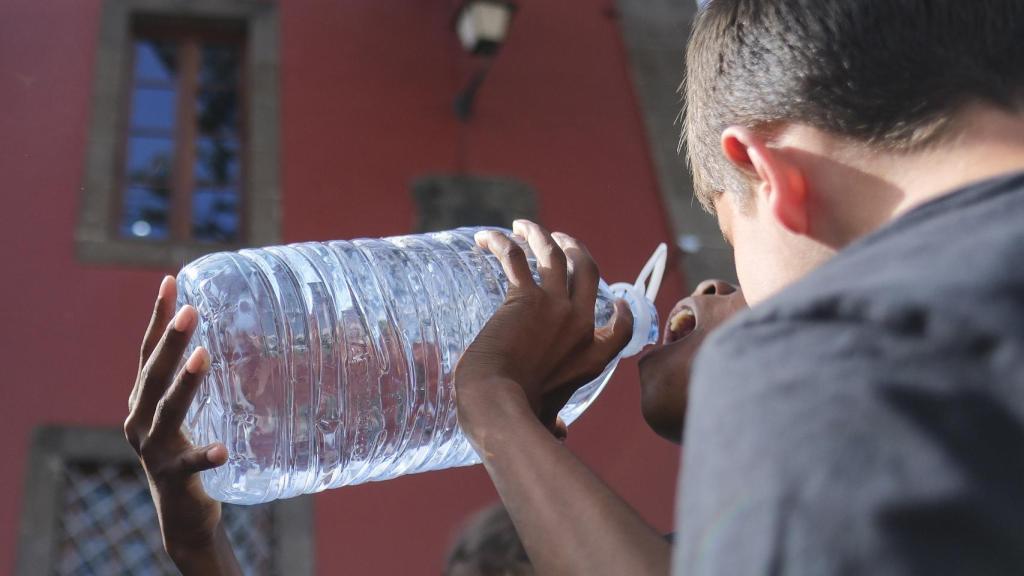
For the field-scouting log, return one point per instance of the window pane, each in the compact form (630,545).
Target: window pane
(155,61)
(146,212)
(217,113)
(107,525)
(153,108)
(220,65)
(215,215)
(216,161)
(215,186)
(150,160)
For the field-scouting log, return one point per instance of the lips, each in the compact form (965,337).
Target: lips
(682,322)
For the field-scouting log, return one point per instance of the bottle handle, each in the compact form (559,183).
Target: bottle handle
(640,296)
(654,271)
(649,281)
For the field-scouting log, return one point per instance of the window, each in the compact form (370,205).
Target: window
(178,163)
(88,511)
(183,161)
(449,201)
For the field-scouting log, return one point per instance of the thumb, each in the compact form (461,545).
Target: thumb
(609,340)
(199,459)
(559,429)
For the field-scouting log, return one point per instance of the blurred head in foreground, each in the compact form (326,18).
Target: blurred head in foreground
(488,545)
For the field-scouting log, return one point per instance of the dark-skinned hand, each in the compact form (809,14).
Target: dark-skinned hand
(190,521)
(541,344)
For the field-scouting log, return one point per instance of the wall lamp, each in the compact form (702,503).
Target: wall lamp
(482,27)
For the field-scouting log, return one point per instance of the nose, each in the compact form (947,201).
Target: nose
(714,288)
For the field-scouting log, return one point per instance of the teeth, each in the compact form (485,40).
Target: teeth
(682,319)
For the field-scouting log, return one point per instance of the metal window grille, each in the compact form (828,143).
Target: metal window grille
(108,525)
(88,512)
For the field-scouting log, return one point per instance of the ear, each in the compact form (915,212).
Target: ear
(777,181)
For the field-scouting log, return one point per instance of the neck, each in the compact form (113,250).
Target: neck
(870,189)
(988,143)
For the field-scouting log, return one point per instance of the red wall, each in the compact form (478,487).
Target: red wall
(365,108)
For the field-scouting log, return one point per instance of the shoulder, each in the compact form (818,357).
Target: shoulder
(821,428)
(823,439)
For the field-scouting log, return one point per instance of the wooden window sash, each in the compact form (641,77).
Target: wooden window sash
(182,183)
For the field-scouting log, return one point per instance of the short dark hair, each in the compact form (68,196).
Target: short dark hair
(488,545)
(889,73)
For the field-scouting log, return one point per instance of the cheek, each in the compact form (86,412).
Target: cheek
(743,271)
(753,248)
(753,267)
(664,380)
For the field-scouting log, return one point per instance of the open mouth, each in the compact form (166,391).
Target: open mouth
(681,323)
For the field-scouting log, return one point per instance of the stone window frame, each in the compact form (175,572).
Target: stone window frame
(54,447)
(96,237)
(446,201)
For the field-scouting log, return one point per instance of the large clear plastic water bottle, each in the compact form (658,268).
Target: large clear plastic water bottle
(332,363)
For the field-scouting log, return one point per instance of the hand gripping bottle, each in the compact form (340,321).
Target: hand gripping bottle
(332,363)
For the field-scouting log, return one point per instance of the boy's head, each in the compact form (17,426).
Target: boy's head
(488,545)
(805,116)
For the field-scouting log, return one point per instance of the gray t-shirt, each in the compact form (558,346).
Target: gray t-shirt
(869,419)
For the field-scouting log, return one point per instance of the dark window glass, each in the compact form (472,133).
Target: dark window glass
(217,170)
(155,61)
(216,161)
(150,147)
(215,214)
(154,108)
(146,212)
(146,209)
(150,160)
(217,112)
(220,66)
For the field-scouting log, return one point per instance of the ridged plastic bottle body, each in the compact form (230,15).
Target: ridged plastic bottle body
(332,362)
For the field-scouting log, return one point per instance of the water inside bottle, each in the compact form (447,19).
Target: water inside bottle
(332,362)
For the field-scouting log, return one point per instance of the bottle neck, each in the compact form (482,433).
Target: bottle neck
(645,317)
(640,296)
